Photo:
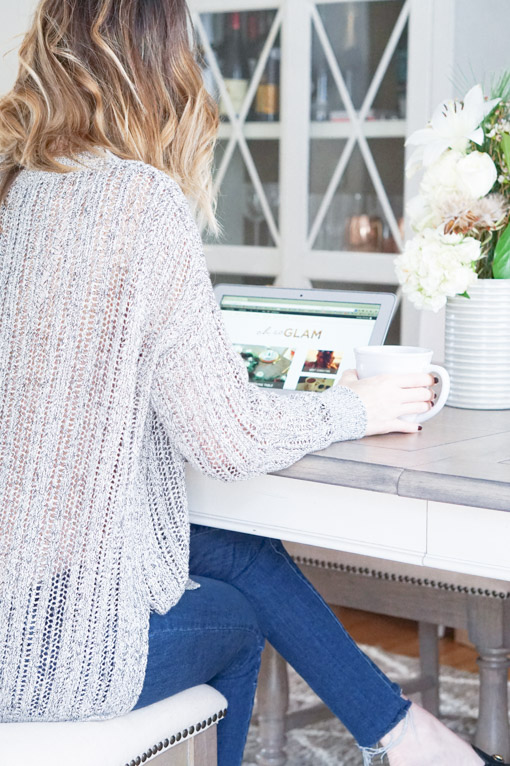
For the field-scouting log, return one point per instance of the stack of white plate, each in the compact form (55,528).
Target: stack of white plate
(477,346)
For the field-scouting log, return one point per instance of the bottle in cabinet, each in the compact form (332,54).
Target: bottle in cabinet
(401,74)
(236,73)
(267,103)
(254,45)
(208,77)
(351,64)
(320,105)
(254,40)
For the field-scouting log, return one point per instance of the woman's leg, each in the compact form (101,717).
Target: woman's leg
(302,628)
(211,636)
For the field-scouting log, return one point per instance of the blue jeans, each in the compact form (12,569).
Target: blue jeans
(252,590)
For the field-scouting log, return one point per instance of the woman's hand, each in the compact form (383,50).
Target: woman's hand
(388,397)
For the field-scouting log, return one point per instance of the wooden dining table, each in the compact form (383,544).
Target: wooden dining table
(413,525)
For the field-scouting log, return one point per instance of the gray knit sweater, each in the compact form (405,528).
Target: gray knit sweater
(115,368)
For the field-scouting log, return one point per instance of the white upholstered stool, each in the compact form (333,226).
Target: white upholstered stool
(178,731)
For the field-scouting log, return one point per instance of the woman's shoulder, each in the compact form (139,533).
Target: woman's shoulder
(136,189)
(137,173)
(123,176)
(164,197)
(125,188)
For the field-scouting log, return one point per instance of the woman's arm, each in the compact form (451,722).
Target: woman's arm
(224,425)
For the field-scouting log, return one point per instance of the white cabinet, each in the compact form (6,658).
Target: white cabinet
(319,195)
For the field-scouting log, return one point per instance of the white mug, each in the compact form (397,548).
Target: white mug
(383,360)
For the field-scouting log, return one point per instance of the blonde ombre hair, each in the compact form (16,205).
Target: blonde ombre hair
(120,75)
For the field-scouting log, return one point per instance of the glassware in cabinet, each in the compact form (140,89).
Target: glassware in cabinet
(359,71)
(240,54)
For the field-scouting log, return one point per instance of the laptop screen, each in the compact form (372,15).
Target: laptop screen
(297,344)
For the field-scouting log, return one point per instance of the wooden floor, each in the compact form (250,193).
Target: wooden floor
(401,636)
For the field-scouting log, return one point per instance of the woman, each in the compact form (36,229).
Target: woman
(115,369)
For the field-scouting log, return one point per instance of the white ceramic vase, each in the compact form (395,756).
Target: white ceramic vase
(477,346)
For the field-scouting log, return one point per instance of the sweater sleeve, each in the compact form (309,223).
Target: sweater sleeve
(221,423)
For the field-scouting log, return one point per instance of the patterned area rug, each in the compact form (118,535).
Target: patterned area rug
(328,743)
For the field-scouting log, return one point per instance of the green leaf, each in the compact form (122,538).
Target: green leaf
(505,143)
(501,262)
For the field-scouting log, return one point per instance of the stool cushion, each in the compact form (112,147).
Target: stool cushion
(113,742)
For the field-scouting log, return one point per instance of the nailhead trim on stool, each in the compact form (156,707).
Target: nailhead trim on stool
(175,738)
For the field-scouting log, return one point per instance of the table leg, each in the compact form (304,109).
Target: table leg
(272,704)
(492,732)
(488,629)
(429,663)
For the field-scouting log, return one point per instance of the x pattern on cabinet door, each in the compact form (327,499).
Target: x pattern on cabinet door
(237,137)
(357,122)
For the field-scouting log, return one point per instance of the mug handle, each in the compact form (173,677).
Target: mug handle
(443,396)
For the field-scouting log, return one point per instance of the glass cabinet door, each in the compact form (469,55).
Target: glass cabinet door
(358,125)
(240,57)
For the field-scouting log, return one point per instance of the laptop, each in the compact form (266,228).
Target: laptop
(301,340)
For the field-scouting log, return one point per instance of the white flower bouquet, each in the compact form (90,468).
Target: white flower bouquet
(461,215)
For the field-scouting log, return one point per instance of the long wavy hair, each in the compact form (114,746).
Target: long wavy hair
(120,75)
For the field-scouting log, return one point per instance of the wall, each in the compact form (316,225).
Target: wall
(481,38)
(15,18)
(464,41)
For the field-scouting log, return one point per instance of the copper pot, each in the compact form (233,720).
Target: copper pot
(364,233)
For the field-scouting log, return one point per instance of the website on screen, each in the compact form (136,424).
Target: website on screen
(297,345)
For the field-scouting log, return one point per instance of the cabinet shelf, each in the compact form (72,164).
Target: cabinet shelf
(339,265)
(261,131)
(351,266)
(371,129)
(243,259)
(270,131)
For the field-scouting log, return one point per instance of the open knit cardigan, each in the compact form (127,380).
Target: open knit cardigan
(115,368)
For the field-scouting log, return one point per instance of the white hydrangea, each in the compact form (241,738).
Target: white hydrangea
(478,173)
(435,266)
(442,178)
(452,176)
(423,214)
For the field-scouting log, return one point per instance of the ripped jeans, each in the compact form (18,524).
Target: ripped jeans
(252,590)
